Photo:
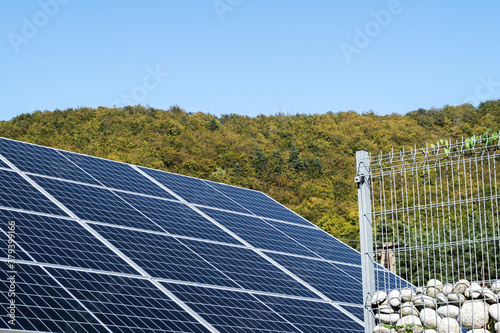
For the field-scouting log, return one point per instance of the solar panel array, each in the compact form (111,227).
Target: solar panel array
(103,246)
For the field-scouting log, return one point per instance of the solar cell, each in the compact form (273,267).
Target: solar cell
(117,175)
(95,204)
(258,233)
(61,242)
(4,165)
(320,242)
(194,190)
(231,311)
(126,304)
(248,269)
(164,256)
(42,161)
(178,218)
(357,311)
(334,283)
(42,305)
(310,316)
(16,192)
(383,277)
(259,203)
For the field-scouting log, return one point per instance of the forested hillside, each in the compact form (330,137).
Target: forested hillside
(306,162)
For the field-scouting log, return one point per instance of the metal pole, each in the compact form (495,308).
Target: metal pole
(365,231)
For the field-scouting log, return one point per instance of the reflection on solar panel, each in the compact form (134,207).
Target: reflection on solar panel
(103,246)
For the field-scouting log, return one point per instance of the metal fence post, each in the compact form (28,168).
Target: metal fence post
(365,230)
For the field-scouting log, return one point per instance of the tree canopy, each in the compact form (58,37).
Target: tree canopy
(306,162)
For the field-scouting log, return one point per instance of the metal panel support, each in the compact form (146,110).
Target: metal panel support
(363,181)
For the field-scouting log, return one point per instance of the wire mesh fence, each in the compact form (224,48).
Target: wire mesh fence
(432,218)
(435,211)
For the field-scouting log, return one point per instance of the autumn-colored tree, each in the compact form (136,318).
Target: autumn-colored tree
(265,153)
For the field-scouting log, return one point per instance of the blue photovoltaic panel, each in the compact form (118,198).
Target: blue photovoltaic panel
(178,218)
(231,311)
(95,204)
(42,161)
(310,316)
(164,256)
(259,203)
(194,190)
(61,242)
(358,311)
(237,289)
(333,283)
(15,192)
(127,305)
(4,165)
(42,305)
(258,233)
(248,269)
(320,242)
(117,175)
(386,278)
(383,277)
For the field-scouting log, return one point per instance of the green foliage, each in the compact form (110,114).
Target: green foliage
(237,170)
(224,148)
(408,328)
(213,125)
(294,160)
(490,139)
(455,250)
(486,139)
(318,165)
(259,159)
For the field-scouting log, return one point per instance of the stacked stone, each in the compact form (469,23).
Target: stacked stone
(439,308)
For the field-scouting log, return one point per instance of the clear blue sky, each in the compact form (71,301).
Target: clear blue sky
(248,56)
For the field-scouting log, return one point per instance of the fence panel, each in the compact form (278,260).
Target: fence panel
(435,213)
